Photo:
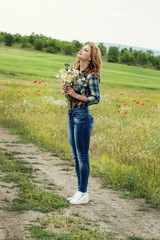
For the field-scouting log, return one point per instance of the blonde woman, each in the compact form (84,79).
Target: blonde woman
(85,92)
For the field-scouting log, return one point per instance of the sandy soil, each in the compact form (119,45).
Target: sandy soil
(124,217)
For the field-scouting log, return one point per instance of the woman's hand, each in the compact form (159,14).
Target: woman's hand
(71,92)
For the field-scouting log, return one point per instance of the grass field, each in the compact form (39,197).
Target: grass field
(125,142)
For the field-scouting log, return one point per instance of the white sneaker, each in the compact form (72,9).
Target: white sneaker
(70,198)
(80,198)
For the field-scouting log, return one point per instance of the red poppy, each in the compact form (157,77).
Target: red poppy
(63,94)
(39,82)
(19,91)
(45,84)
(42,80)
(121,93)
(37,90)
(137,102)
(134,100)
(147,100)
(118,111)
(125,104)
(125,112)
(119,106)
(142,103)
(6,84)
(35,81)
(23,95)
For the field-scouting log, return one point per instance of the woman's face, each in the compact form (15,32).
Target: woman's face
(85,53)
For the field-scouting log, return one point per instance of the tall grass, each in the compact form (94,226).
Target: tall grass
(125,142)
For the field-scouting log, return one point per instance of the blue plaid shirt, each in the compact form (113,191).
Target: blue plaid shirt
(86,85)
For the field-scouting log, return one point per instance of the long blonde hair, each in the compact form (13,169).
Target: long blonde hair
(94,66)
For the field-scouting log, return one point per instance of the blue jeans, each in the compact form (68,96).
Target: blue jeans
(79,131)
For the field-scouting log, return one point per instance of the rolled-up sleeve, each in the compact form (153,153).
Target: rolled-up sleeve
(94,92)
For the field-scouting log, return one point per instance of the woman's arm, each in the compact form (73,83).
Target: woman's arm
(73,94)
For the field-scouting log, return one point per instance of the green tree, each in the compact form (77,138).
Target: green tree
(17,38)
(126,57)
(69,48)
(53,46)
(142,58)
(39,44)
(1,36)
(150,56)
(157,62)
(77,45)
(8,39)
(102,49)
(25,42)
(113,54)
(32,38)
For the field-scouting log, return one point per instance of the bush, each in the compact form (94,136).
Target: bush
(113,54)
(8,39)
(39,44)
(69,48)
(53,46)
(25,42)
(127,57)
(102,49)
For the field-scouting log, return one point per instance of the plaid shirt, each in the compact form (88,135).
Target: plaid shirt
(86,85)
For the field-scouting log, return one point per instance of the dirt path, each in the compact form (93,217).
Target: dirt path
(120,216)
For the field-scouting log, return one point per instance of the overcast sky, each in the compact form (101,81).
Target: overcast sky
(126,22)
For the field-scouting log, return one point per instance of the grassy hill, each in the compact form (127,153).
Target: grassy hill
(47,65)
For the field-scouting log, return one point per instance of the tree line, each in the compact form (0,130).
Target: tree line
(113,54)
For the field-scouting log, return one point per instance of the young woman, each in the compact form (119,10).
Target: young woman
(85,92)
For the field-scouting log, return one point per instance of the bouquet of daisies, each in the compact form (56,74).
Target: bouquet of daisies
(68,76)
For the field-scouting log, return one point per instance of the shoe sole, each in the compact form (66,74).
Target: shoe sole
(79,203)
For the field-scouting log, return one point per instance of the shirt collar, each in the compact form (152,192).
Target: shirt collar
(83,71)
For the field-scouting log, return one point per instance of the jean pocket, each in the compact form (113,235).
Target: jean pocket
(79,116)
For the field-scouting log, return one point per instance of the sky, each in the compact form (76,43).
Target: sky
(125,22)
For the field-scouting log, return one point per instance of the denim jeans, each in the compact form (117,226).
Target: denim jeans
(79,131)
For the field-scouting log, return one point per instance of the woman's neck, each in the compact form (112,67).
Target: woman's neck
(83,65)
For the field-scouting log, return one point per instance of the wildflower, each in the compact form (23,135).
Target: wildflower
(19,91)
(57,76)
(119,106)
(118,111)
(6,84)
(35,81)
(38,91)
(142,103)
(39,82)
(68,76)
(125,104)
(134,100)
(23,95)
(137,102)
(83,79)
(42,80)
(121,93)
(125,112)
(45,84)
(147,100)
